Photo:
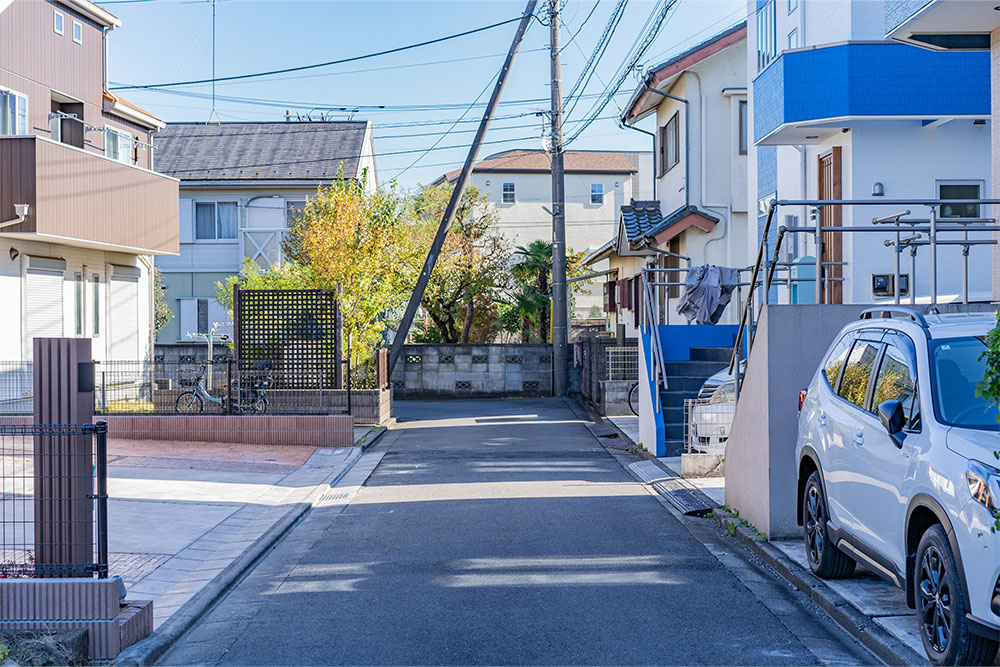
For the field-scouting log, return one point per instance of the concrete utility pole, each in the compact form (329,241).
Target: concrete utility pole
(456,196)
(560,297)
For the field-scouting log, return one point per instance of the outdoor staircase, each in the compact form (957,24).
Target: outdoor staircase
(684,380)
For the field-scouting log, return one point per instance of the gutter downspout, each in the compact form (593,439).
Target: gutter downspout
(147,261)
(104,58)
(626,126)
(687,136)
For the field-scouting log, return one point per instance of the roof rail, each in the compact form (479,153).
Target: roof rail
(894,311)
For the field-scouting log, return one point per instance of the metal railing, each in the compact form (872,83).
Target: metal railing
(54,501)
(623,364)
(768,262)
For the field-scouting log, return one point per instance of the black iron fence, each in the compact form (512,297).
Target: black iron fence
(54,501)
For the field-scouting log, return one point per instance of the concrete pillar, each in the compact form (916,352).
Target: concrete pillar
(63,464)
(995,145)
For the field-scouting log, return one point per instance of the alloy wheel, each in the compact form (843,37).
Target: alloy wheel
(935,604)
(814,524)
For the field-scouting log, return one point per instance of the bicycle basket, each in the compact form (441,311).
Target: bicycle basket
(188,378)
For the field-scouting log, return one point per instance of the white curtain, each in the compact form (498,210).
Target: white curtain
(228,220)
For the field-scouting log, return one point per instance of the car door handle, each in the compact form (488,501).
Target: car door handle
(859,438)
(822,421)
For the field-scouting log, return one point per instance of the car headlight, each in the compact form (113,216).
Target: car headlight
(984,484)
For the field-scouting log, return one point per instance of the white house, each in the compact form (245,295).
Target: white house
(839,112)
(519,186)
(698,100)
(239,184)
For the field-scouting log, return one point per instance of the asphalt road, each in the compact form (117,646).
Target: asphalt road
(501,532)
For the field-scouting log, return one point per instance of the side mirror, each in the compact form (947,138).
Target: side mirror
(890,413)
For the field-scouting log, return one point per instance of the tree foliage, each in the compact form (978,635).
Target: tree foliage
(471,271)
(530,302)
(161,309)
(989,387)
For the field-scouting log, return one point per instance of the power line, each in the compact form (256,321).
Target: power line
(599,49)
(324,64)
(571,39)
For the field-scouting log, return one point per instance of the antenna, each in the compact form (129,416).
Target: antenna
(213,112)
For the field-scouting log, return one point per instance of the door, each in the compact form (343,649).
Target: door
(830,188)
(43,304)
(123,302)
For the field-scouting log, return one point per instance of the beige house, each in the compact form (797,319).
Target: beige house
(519,186)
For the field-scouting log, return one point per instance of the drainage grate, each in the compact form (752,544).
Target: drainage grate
(687,499)
(334,495)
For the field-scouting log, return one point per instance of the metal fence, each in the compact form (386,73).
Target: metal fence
(623,364)
(53,501)
(707,422)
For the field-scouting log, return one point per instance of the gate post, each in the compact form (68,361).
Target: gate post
(63,463)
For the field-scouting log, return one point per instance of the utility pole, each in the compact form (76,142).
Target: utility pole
(456,196)
(560,297)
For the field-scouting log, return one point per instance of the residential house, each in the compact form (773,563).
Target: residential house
(949,25)
(839,112)
(239,183)
(519,186)
(699,101)
(82,213)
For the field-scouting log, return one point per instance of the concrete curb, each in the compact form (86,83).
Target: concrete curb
(148,650)
(872,636)
(370,439)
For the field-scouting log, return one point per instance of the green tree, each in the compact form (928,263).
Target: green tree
(989,387)
(532,300)
(161,309)
(470,271)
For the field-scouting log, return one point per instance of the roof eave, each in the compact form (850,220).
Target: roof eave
(93,12)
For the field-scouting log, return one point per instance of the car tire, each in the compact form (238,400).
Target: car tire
(825,559)
(941,609)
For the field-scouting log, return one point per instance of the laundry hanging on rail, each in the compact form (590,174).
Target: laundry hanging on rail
(707,292)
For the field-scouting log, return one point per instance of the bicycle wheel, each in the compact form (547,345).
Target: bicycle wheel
(260,405)
(633,399)
(189,403)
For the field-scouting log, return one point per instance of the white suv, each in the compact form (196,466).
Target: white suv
(898,470)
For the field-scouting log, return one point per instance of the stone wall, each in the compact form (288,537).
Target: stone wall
(434,371)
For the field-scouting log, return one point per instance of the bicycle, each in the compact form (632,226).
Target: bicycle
(249,398)
(633,399)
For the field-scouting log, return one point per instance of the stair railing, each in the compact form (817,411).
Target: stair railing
(650,320)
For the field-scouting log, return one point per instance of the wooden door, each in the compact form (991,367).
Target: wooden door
(833,248)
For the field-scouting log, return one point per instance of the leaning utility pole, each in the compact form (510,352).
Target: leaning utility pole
(456,196)
(560,298)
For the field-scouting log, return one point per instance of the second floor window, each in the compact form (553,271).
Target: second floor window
(744,128)
(13,112)
(77,32)
(118,145)
(669,144)
(766,35)
(57,22)
(215,221)
(596,193)
(508,193)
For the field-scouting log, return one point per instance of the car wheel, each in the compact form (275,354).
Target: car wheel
(825,559)
(941,610)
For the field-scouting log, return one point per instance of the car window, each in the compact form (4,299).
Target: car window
(834,362)
(897,382)
(854,384)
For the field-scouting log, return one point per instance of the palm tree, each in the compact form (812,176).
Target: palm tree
(534,265)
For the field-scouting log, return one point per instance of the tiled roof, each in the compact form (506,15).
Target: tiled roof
(639,218)
(539,161)
(260,151)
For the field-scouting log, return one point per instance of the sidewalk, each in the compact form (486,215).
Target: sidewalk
(180,513)
(868,599)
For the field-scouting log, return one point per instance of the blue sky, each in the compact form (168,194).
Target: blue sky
(171,40)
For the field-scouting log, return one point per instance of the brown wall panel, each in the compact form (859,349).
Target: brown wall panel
(17,181)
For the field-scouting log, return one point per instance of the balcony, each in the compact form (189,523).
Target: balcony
(82,199)
(942,25)
(808,95)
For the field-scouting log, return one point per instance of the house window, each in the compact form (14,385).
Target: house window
(959,190)
(744,127)
(13,112)
(792,4)
(507,196)
(203,316)
(293,210)
(77,32)
(215,220)
(118,145)
(766,35)
(793,39)
(670,153)
(95,285)
(57,22)
(596,193)
(78,304)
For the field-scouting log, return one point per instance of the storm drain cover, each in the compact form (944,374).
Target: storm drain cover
(687,499)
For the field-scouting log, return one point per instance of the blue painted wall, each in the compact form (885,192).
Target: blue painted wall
(678,339)
(870,80)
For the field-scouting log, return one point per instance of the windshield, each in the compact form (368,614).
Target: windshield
(957,371)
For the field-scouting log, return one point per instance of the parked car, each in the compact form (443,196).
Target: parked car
(898,470)
(711,414)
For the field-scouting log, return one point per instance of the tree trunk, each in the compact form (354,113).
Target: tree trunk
(470,310)
(525,329)
(543,313)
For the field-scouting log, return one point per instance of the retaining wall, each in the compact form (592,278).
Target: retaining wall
(435,371)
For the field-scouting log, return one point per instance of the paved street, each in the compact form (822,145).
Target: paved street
(501,532)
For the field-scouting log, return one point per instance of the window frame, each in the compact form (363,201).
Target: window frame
(9,112)
(979,184)
(743,122)
(95,282)
(120,135)
(670,154)
(867,337)
(504,193)
(907,349)
(58,22)
(216,224)
(792,5)
(77,27)
(79,304)
(767,35)
(794,32)
(599,193)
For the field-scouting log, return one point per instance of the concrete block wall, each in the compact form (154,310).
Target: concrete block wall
(433,371)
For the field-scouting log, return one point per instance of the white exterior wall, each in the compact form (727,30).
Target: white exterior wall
(14,346)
